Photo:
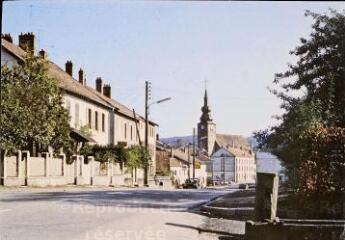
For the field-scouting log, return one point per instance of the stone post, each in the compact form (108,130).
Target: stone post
(27,163)
(92,168)
(47,164)
(266,196)
(64,163)
(81,164)
(19,162)
(4,171)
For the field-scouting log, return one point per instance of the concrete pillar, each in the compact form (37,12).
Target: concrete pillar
(92,168)
(266,196)
(75,162)
(47,164)
(19,161)
(5,168)
(110,168)
(81,164)
(64,163)
(27,163)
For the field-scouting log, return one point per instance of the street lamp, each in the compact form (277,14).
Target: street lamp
(147,105)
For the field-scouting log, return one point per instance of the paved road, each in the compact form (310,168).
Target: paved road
(103,214)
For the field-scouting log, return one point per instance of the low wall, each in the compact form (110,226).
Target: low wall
(163,181)
(302,229)
(47,170)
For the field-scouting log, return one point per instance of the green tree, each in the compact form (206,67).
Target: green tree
(31,108)
(137,157)
(316,118)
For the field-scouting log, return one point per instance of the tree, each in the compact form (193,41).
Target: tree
(310,137)
(137,157)
(31,108)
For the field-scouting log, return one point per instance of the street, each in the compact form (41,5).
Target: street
(106,213)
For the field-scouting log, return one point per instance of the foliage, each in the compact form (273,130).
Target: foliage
(310,137)
(137,157)
(86,130)
(31,108)
(133,157)
(112,153)
(164,171)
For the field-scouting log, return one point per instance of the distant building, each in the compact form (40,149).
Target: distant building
(232,158)
(267,162)
(178,163)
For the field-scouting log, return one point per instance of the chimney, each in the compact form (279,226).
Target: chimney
(43,54)
(27,42)
(99,85)
(81,77)
(7,37)
(69,68)
(107,90)
(157,137)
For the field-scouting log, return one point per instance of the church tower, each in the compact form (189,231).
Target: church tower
(206,129)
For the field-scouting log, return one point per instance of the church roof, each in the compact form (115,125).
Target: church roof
(232,140)
(235,144)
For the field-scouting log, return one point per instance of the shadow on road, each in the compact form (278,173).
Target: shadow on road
(161,199)
(224,235)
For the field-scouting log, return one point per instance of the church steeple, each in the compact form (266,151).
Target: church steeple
(205,110)
(206,128)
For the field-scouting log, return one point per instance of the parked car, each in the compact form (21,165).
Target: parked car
(252,185)
(191,183)
(243,186)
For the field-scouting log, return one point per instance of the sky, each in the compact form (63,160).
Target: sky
(234,48)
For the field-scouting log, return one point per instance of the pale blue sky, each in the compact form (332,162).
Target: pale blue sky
(236,46)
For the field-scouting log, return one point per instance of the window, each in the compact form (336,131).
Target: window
(125,130)
(89,118)
(103,122)
(96,120)
(76,116)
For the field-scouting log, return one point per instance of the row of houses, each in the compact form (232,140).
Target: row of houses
(180,163)
(108,121)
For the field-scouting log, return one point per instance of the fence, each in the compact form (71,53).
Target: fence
(47,170)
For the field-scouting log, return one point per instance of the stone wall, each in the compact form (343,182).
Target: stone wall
(46,170)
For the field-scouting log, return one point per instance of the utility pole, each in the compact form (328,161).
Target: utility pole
(188,162)
(193,153)
(146,129)
(147,106)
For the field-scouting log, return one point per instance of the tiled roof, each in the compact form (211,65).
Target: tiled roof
(71,85)
(235,144)
(232,140)
(13,49)
(179,154)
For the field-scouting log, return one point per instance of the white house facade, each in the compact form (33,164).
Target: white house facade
(229,166)
(108,121)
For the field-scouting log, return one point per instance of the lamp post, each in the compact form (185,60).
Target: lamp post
(147,106)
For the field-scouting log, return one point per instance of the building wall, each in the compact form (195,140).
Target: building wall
(125,130)
(79,116)
(7,59)
(180,174)
(223,166)
(229,168)
(245,169)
